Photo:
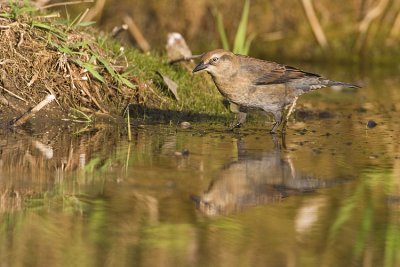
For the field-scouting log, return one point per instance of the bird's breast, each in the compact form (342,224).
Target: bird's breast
(232,89)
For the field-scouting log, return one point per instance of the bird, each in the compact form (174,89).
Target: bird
(251,83)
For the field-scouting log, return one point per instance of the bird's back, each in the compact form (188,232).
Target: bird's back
(262,72)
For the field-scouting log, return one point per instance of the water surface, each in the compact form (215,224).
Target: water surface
(327,195)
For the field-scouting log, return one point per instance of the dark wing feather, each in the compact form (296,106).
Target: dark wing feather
(281,74)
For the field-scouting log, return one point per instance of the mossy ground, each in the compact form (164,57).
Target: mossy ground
(91,74)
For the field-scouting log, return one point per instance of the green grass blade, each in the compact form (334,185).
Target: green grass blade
(240,37)
(247,44)
(6,15)
(60,34)
(107,65)
(125,81)
(92,69)
(222,32)
(74,20)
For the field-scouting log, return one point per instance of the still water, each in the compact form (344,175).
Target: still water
(327,195)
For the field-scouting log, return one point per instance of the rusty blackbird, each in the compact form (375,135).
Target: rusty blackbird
(254,83)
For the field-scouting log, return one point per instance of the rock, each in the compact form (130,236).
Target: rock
(185,125)
(371,124)
(183,153)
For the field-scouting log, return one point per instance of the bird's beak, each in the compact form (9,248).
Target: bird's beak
(196,199)
(200,66)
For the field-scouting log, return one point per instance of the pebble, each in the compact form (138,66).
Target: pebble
(185,125)
(183,153)
(371,124)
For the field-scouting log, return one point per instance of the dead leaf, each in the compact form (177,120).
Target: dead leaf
(172,86)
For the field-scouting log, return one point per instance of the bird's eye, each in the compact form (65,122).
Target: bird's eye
(214,59)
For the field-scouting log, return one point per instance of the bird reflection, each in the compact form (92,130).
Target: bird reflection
(256,177)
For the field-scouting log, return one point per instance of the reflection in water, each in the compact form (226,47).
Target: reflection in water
(95,199)
(257,177)
(32,165)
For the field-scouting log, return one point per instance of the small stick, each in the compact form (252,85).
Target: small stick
(14,95)
(4,101)
(21,40)
(66,3)
(118,29)
(96,11)
(55,15)
(365,24)
(314,23)
(136,34)
(395,30)
(184,59)
(29,114)
(83,16)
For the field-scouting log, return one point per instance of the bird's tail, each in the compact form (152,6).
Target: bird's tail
(341,84)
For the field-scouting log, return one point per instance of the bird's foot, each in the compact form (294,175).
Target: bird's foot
(234,126)
(274,128)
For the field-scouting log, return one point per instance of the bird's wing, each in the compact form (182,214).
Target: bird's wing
(277,74)
(262,72)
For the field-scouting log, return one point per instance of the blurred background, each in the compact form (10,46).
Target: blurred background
(345,31)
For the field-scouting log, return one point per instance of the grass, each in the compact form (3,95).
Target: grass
(197,93)
(93,73)
(242,42)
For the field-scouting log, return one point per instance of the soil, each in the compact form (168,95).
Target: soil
(38,57)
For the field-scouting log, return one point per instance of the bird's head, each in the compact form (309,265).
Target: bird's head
(217,62)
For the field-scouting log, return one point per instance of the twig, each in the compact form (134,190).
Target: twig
(21,40)
(34,78)
(4,101)
(366,22)
(96,10)
(66,3)
(51,91)
(395,30)
(83,16)
(118,29)
(136,34)
(39,3)
(128,119)
(14,95)
(314,23)
(29,114)
(184,59)
(83,87)
(50,16)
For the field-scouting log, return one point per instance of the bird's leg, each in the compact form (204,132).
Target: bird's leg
(240,115)
(289,112)
(278,121)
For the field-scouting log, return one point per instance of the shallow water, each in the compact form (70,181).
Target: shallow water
(327,195)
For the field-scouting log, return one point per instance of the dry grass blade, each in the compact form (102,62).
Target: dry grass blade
(14,95)
(365,24)
(314,23)
(136,34)
(184,59)
(66,4)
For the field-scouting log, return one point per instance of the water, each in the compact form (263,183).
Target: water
(327,195)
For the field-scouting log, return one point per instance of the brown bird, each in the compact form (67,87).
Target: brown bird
(254,83)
